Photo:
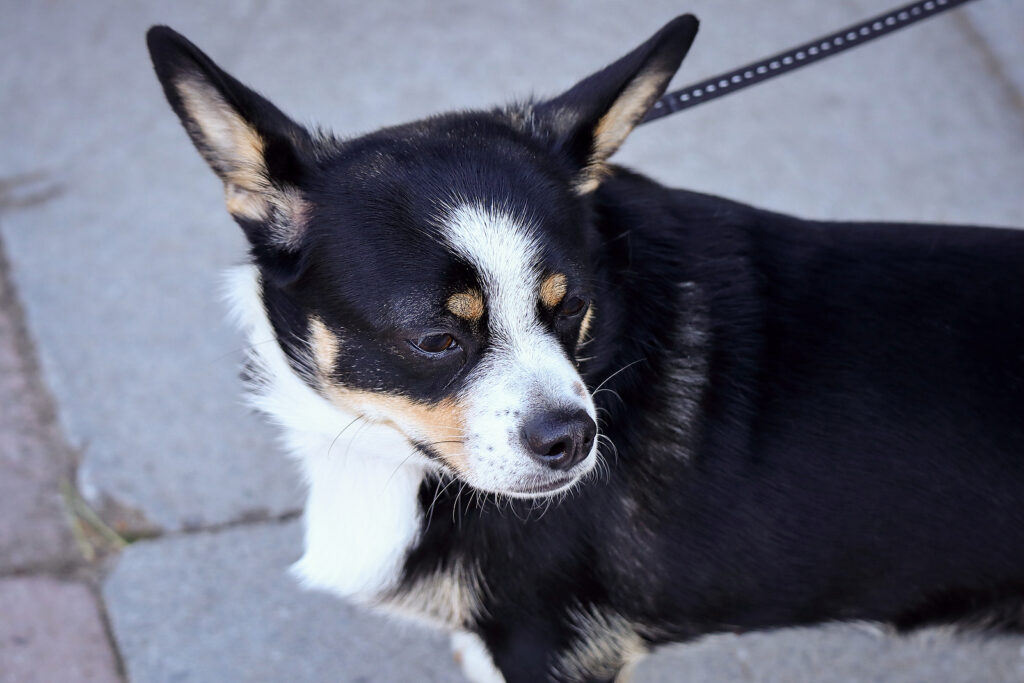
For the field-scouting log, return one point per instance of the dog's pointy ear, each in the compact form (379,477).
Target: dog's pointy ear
(257,151)
(591,120)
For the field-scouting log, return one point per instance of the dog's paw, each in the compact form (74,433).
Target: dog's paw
(472,656)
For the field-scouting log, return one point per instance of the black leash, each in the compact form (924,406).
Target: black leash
(799,56)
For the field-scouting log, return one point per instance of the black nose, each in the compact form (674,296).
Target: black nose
(559,439)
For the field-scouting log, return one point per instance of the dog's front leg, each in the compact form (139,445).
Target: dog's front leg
(519,658)
(522,661)
(472,655)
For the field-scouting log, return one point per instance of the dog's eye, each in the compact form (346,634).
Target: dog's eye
(435,343)
(572,306)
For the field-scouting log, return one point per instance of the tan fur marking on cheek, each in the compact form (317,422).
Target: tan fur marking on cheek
(468,305)
(325,348)
(552,290)
(588,319)
(441,425)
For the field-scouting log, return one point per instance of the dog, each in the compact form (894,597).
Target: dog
(570,414)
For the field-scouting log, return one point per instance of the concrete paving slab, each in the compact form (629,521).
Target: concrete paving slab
(838,654)
(118,244)
(34,530)
(1000,27)
(220,607)
(52,632)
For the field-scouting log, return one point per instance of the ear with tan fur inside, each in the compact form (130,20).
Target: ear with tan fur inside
(614,126)
(591,120)
(230,145)
(257,151)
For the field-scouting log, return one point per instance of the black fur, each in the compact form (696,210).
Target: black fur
(813,421)
(861,454)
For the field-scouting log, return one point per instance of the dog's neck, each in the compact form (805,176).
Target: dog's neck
(362,514)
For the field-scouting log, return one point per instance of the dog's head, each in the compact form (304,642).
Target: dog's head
(436,276)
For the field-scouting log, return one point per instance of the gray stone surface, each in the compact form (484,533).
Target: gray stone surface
(34,528)
(220,607)
(119,268)
(838,654)
(1000,28)
(51,632)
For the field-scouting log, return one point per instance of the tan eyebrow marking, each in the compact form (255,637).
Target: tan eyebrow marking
(552,290)
(468,305)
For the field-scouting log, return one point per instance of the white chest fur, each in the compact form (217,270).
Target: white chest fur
(362,513)
(361,517)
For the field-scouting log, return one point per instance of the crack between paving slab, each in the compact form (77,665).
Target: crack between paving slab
(88,577)
(108,631)
(29,189)
(79,570)
(24,348)
(262,520)
(45,421)
(94,540)
(993,62)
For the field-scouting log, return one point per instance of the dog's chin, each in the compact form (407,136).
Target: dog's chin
(540,485)
(542,489)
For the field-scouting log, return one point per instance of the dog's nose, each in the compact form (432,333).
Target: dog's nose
(559,439)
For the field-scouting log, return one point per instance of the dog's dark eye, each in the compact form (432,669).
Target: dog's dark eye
(572,306)
(435,343)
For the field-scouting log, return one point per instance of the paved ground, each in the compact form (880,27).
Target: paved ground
(115,236)
(52,625)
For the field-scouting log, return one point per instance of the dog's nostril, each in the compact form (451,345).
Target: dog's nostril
(556,450)
(559,439)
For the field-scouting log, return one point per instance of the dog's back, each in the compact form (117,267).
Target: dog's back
(862,444)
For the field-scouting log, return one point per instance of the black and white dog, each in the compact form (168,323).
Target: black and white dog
(570,414)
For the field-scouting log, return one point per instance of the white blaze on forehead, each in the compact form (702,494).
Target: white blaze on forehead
(502,249)
(525,369)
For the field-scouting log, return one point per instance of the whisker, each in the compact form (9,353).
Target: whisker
(437,494)
(602,469)
(449,428)
(622,369)
(439,443)
(610,391)
(343,430)
(355,436)
(458,504)
(414,451)
(611,444)
(240,349)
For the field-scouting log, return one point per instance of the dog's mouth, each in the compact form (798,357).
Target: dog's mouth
(544,488)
